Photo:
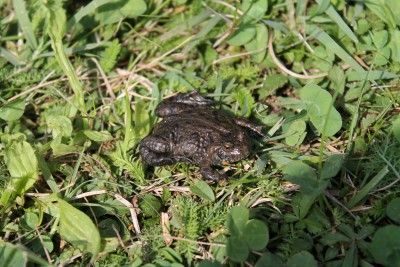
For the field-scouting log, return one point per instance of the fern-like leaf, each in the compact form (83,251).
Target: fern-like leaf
(109,56)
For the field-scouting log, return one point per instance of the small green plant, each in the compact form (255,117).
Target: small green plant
(245,234)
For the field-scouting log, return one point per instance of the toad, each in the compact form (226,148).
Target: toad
(193,132)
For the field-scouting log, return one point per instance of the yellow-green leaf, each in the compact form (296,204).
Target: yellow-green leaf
(203,190)
(98,136)
(258,46)
(12,111)
(244,34)
(78,229)
(22,164)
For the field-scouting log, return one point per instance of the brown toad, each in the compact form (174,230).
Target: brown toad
(193,132)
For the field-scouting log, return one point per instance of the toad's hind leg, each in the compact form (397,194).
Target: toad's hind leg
(247,124)
(210,174)
(156,151)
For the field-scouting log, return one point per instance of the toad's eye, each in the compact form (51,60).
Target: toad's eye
(228,145)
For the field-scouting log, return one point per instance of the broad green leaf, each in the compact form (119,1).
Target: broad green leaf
(396,129)
(301,204)
(332,166)
(337,76)
(203,190)
(269,260)
(296,132)
(12,111)
(320,110)
(324,59)
(300,173)
(256,235)
(331,253)
(393,210)
(22,165)
(237,219)
(254,9)
(273,82)
(17,255)
(50,205)
(209,263)
(98,136)
(29,221)
(380,38)
(382,57)
(78,229)
(258,46)
(117,10)
(150,205)
(301,259)
(11,255)
(236,249)
(59,125)
(333,125)
(334,238)
(244,34)
(394,45)
(38,244)
(385,247)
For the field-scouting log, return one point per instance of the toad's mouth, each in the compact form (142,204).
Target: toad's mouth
(223,156)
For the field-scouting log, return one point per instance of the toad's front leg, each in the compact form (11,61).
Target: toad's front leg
(211,174)
(156,152)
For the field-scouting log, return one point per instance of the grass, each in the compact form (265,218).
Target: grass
(79,86)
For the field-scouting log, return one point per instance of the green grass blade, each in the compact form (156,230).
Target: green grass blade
(78,49)
(382,11)
(128,122)
(331,45)
(331,12)
(367,188)
(184,26)
(88,9)
(371,75)
(301,6)
(47,173)
(10,57)
(25,23)
(56,18)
